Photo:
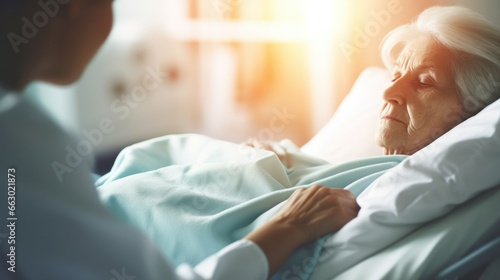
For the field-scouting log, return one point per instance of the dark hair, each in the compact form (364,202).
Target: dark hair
(9,6)
(11,24)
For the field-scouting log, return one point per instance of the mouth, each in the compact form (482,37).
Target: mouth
(391,118)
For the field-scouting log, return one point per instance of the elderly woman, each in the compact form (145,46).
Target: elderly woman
(442,69)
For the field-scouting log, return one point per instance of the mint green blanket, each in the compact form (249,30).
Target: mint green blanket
(194,195)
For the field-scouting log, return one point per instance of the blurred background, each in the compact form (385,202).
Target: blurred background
(230,69)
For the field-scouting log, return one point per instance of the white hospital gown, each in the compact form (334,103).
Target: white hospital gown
(62,230)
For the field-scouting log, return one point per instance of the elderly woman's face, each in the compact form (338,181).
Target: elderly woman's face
(422,102)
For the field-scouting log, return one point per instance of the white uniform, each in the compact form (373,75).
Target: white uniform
(58,229)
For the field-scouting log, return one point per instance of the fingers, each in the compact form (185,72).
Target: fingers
(346,197)
(249,142)
(269,146)
(255,143)
(320,195)
(321,209)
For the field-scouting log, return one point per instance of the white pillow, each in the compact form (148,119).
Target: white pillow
(456,167)
(350,133)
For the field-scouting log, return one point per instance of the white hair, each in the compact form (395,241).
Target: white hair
(472,38)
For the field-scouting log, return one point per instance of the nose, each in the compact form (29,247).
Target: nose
(394,94)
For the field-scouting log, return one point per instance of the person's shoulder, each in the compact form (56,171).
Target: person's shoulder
(27,130)
(42,153)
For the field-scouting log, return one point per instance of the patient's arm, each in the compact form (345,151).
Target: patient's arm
(308,214)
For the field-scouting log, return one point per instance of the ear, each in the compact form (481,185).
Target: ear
(74,8)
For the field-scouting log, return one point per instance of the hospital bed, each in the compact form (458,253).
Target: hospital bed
(464,244)
(430,215)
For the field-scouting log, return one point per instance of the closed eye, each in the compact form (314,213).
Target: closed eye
(423,84)
(425,81)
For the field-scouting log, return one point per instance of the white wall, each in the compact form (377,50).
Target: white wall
(195,99)
(118,88)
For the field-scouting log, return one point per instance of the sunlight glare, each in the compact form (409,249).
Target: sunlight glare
(325,18)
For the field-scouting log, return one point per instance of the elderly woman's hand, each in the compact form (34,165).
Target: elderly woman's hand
(315,211)
(307,215)
(256,143)
(272,146)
